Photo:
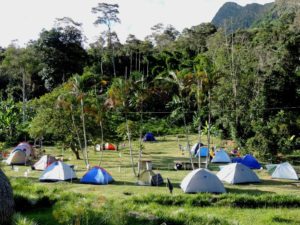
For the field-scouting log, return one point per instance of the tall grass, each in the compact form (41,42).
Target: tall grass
(19,219)
(225,200)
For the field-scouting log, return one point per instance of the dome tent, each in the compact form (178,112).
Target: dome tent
(16,157)
(285,171)
(221,157)
(195,148)
(27,148)
(97,175)
(58,171)
(202,180)
(271,168)
(149,178)
(44,162)
(202,152)
(21,154)
(251,162)
(237,173)
(109,146)
(149,137)
(237,160)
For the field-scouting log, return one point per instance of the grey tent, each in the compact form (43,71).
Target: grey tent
(148,178)
(237,173)
(285,171)
(202,180)
(221,157)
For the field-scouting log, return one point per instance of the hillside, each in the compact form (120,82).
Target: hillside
(234,16)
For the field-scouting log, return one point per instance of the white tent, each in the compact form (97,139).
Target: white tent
(24,146)
(202,180)
(221,157)
(285,171)
(44,162)
(16,157)
(58,171)
(237,173)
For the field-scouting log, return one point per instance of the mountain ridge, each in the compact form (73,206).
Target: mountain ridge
(233,16)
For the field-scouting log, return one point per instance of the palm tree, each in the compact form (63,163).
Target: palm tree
(178,80)
(118,94)
(78,91)
(6,200)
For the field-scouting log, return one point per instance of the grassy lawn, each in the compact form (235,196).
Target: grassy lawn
(162,153)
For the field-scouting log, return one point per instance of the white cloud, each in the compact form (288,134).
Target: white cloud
(24,20)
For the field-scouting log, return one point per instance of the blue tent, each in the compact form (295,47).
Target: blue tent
(251,162)
(203,152)
(97,175)
(237,160)
(149,137)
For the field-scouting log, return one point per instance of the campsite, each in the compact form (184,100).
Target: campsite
(153,112)
(267,201)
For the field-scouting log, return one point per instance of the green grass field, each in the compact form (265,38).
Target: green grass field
(124,189)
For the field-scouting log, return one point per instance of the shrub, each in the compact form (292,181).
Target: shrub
(18,219)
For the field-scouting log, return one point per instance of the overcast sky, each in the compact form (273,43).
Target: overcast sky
(24,19)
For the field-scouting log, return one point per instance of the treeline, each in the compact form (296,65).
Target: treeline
(242,86)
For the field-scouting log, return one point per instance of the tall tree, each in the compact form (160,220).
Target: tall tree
(61,52)
(108,14)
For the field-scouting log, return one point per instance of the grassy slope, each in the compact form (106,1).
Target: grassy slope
(163,153)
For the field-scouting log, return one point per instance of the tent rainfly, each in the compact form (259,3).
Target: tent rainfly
(202,180)
(237,173)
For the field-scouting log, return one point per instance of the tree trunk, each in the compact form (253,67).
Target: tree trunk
(199,85)
(75,151)
(6,200)
(101,67)
(186,131)
(209,121)
(84,134)
(23,96)
(102,142)
(130,70)
(77,134)
(130,148)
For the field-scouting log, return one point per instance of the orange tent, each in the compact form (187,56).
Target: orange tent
(109,146)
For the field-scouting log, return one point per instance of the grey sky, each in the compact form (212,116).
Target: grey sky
(24,19)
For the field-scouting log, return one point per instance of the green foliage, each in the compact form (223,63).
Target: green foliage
(11,127)
(18,219)
(133,128)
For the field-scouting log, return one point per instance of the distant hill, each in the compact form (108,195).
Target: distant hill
(233,16)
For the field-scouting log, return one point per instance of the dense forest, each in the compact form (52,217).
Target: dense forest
(243,85)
